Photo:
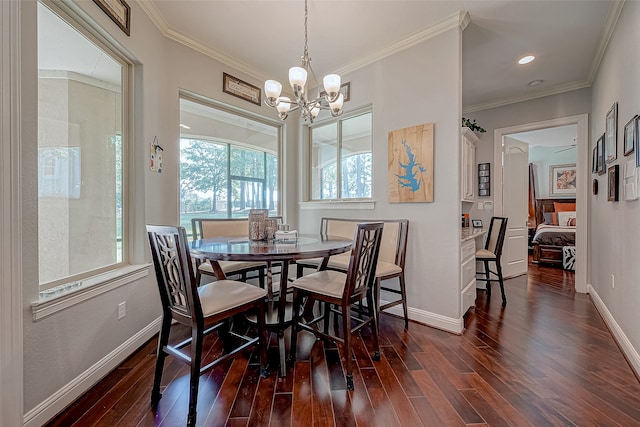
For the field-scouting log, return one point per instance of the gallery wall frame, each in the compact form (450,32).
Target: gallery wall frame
(600,155)
(611,133)
(613,183)
(630,135)
(410,164)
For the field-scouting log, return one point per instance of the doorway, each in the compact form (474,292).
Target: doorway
(582,166)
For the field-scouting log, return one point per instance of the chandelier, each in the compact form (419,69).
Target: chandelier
(331,100)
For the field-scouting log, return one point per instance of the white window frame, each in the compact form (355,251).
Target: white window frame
(337,203)
(61,294)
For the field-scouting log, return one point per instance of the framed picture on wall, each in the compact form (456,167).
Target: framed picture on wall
(600,154)
(612,187)
(630,135)
(611,133)
(562,180)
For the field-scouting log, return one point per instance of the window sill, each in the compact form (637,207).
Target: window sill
(339,204)
(91,287)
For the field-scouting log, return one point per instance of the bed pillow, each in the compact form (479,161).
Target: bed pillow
(548,218)
(567,218)
(564,207)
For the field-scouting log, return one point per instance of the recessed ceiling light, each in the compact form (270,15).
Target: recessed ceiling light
(185,126)
(526,59)
(535,83)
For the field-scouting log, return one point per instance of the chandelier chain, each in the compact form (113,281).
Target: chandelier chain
(305,57)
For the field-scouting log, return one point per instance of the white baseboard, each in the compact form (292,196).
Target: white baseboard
(621,338)
(55,403)
(434,320)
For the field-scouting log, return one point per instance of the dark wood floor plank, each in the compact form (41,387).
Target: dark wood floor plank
(263,402)
(546,359)
(302,412)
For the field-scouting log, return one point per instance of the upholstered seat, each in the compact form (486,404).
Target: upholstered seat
(491,253)
(390,263)
(340,289)
(204,309)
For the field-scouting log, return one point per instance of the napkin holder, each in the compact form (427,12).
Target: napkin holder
(286,236)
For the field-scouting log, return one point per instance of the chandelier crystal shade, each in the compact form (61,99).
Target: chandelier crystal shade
(331,100)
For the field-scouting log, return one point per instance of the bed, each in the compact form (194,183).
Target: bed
(553,243)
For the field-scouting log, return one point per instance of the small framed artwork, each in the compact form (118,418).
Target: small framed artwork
(119,12)
(611,134)
(600,154)
(637,139)
(562,179)
(477,223)
(594,159)
(345,89)
(612,188)
(241,89)
(630,135)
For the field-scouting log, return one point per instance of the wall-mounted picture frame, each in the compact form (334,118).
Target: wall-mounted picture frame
(119,12)
(241,89)
(611,133)
(630,135)
(612,187)
(562,180)
(600,154)
(637,139)
(345,89)
(477,223)
(594,159)
(484,179)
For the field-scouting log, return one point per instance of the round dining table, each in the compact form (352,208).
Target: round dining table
(240,248)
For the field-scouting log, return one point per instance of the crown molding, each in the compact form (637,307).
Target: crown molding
(459,19)
(610,24)
(568,87)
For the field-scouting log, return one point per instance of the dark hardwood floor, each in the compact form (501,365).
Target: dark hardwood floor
(546,359)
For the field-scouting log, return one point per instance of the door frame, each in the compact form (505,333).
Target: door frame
(582,193)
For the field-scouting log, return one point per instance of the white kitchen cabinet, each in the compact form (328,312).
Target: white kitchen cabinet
(468,165)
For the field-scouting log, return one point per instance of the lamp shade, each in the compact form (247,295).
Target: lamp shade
(337,104)
(272,88)
(284,104)
(331,84)
(297,76)
(315,111)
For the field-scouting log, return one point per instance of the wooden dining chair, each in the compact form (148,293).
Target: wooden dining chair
(491,253)
(203,309)
(342,290)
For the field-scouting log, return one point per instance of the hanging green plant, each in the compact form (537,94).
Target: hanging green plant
(472,125)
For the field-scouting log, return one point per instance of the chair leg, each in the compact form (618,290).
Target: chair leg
(403,291)
(486,272)
(346,327)
(326,317)
(299,271)
(501,281)
(194,379)
(374,325)
(261,277)
(297,302)
(163,340)
(262,344)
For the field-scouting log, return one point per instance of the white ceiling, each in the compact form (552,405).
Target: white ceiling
(265,37)
(550,137)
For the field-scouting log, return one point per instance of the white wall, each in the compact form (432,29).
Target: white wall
(615,226)
(407,89)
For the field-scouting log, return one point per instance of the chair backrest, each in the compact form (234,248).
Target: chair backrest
(222,227)
(393,247)
(495,238)
(364,256)
(176,280)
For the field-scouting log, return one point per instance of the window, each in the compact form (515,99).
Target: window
(341,158)
(228,163)
(81,179)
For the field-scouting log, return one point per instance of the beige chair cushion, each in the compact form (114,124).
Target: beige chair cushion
(484,253)
(327,282)
(341,262)
(230,267)
(224,295)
